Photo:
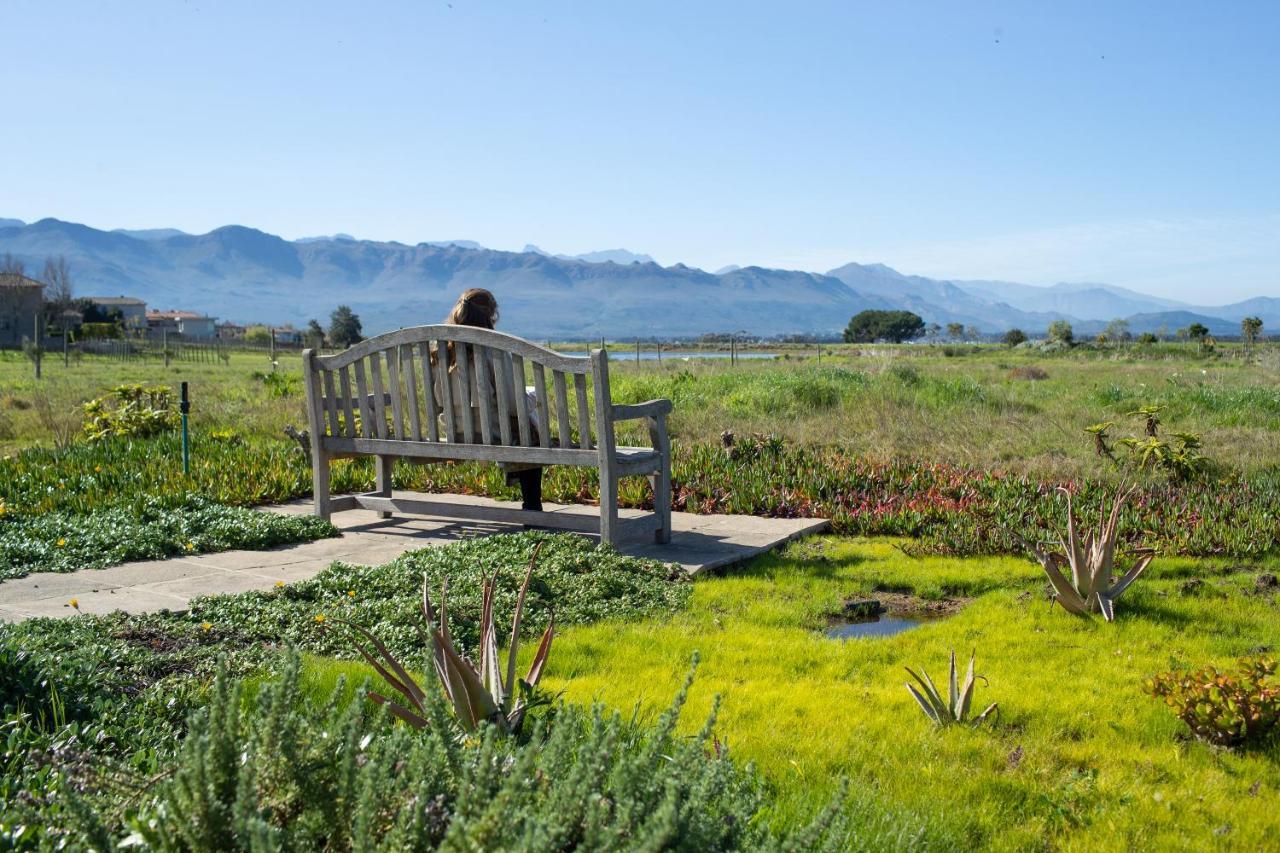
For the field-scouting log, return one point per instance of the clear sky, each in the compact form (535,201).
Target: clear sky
(1136,143)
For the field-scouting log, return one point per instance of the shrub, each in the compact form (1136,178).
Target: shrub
(1031,373)
(1222,708)
(130,410)
(283,775)
(279,384)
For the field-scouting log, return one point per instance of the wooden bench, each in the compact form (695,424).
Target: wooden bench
(379,399)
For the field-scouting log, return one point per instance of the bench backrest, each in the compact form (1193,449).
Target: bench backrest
(385,388)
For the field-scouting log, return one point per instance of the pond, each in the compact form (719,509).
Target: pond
(879,625)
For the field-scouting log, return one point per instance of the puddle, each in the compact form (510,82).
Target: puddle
(884,625)
(888,613)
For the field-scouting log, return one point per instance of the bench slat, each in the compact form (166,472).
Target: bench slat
(330,402)
(362,388)
(484,390)
(563,430)
(465,334)
(447,387)
(344,383)
(584,414)
(521,400)
(379,397)
(502,377)
(429,387)
(466,384)
(393,381)
(544,410)
(405,354)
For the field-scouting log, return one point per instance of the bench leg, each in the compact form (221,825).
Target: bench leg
(386,464)
(320,483)
(661,483)
(608,507)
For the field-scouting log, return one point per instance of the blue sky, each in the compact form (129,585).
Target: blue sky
(1133,143)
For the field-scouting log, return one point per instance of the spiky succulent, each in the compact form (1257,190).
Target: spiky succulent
(476,695)
(956,707)
(1091,587)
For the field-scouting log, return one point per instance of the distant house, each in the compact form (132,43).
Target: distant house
(287,335)
(21,302)
(185,323)
(229,332)
(133,312)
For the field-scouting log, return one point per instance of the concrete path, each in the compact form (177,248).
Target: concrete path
(698,543)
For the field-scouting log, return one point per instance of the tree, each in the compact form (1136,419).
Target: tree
(344,327)
(58,291)
(9,265)
(1013,337)
(1060,331)
(1147,338)
(1251,329)
(1197,331)
(315,334)
(1117,331)
(955,331)
(257,335)
(892,326)
(973,333)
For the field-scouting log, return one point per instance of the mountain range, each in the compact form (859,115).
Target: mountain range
(245,275)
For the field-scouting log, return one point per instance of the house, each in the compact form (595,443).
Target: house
(186,323)
(229,332)
(287,335)
(133,312)
(21,304)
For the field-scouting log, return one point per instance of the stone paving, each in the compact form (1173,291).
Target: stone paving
(698,543)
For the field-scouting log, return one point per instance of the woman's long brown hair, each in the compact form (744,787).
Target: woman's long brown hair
(475,307)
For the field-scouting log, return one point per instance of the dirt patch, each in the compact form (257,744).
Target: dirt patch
(1030,374)
(903,604)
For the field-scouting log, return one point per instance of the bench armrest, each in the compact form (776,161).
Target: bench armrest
(648,409)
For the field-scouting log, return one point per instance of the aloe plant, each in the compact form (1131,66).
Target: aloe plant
(956,707)
(1091,588)
(476,695)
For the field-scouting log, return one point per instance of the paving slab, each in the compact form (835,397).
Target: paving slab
(698,543)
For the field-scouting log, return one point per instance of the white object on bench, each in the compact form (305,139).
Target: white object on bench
(378,399)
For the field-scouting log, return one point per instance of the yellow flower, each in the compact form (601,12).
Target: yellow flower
(205,626)
(320,618)
(62,542)
(97,469)
(279,584)
(3,508)
(351,593)
(191,546)
(75,602)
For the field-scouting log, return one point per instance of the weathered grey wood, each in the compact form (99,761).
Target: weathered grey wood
(405,354)
(379,396)
(465,334)
(330,402)
(393,381)
(463,362)
(494,514)
(563,429)
(609,532)
(484,390)
(521,400)
(344,382)
(429,387)
(319,462)
(502,377)
(366,414)
(475,452)
(386,467)
(584,416)
(544,410)
(647,409)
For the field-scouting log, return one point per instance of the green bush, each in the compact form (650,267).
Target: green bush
(1222,708)
(286,775)
(131,410)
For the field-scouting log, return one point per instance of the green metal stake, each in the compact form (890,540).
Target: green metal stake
(184,406)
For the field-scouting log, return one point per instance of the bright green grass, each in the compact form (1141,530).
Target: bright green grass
(1102,765)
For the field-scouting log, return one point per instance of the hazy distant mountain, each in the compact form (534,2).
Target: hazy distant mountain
(325,238)
(11,223)
(238,273)
(728,269)
(1083,301)
(615,256)
(150,233)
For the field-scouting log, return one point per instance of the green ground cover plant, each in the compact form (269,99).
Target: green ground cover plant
(62,541)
